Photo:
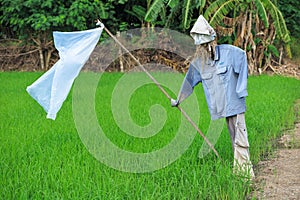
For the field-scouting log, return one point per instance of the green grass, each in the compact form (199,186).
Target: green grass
(44,159)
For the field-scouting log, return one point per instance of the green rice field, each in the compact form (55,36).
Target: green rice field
(46,159)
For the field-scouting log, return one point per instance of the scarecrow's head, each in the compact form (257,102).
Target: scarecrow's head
(202,32)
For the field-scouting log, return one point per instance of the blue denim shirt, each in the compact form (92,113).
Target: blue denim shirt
(224,81)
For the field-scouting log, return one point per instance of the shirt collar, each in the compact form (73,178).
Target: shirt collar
(217,53)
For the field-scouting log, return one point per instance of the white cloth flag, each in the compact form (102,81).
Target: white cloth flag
(53,87)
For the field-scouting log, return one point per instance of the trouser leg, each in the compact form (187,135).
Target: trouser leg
(239,138)
(231,125)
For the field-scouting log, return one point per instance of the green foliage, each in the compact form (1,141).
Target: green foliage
(175,14)
(200,3)
(218,9)
(271,49)
(33,16)
(291,12)
(186,14)
(262,12)
(154,10)
(123,26)
(137,11)
(279,21)
(295,47)
(173,3)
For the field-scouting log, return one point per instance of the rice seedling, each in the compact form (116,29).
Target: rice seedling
(44,159)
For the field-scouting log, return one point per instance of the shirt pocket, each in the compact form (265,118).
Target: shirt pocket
(207,76)
(222,73)
(222,70)
(207,79)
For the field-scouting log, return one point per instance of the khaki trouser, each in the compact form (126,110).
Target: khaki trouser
(239,139)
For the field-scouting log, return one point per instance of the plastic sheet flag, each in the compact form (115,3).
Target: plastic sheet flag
(53,87)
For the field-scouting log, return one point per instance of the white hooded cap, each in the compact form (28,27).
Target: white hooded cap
(202,32)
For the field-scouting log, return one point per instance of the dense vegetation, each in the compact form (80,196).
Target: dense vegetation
(261,27)
(291,12)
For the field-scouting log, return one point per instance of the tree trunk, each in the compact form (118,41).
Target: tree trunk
(45,48)
(41,55)
(42,59)
(120,55)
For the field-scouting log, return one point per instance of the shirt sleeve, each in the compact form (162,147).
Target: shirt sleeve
(241,68)
(192,78)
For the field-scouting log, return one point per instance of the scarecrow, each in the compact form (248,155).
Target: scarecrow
(223,72)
